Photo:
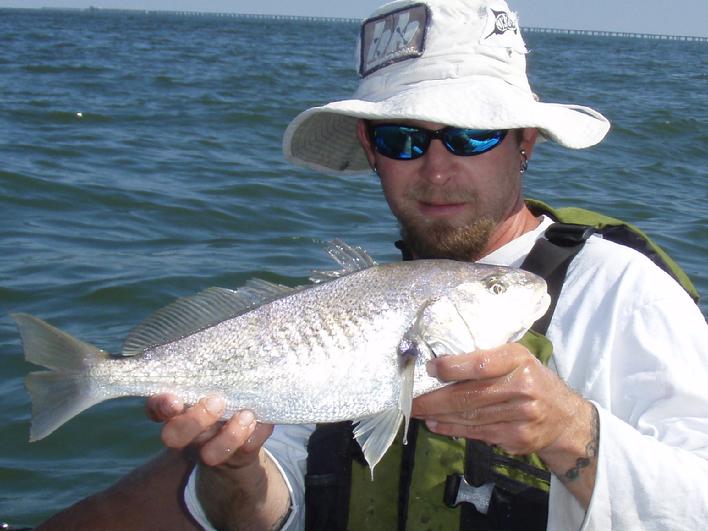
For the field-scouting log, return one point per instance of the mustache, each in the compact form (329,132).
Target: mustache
(427,193)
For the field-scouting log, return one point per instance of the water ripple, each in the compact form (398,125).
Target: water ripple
(142,162)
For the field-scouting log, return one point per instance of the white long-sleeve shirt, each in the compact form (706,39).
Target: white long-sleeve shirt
(628,338)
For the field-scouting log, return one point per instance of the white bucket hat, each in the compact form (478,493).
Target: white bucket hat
(455,62)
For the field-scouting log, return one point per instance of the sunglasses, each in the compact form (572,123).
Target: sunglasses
(405,142)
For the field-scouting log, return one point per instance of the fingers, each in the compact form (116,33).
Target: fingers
(481,364)
(237,442)
(231,436)
(465,398)
(485,433)
(515,437)
(512,437)
(162,407)
(234,442)
(258,437)
(198,421)
(504,412)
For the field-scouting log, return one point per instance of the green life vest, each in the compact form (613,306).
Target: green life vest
(618,231)
(412,481)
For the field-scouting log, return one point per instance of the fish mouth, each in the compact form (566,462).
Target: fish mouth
(542,305)
(540,310)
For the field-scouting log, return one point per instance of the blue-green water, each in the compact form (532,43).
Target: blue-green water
(172,180)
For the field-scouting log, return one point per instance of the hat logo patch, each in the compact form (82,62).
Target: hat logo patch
(501,30)
(393,37)
(503,23)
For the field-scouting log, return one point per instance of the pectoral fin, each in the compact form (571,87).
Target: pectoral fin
(407,361)
(437,330)
(375,434)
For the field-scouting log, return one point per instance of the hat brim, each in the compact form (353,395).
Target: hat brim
(325,139)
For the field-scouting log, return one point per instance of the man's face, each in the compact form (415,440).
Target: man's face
(450,206)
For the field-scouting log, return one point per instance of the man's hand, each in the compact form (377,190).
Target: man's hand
(241,488)
(506,397)
(235,441)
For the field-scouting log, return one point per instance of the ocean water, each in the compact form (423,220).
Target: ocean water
(140,160)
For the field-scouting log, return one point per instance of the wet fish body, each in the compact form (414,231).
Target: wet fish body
(352,346)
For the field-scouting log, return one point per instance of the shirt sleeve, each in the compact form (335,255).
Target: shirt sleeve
(287,448)
(652,386)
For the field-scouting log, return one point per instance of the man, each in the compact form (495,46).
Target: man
(445,116)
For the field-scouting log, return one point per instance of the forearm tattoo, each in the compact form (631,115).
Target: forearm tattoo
(591,451)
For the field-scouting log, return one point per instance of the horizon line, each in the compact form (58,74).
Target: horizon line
(187,12)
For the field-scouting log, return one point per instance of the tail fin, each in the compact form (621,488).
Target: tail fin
(64,391)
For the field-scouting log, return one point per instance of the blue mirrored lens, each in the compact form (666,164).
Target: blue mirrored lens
(400,142)
(467,142)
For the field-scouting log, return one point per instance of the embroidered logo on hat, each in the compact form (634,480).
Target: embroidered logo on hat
(503,23)
(393,37)
(502,30)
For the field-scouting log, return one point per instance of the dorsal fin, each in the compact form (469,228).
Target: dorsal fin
(352,259)
(188,315)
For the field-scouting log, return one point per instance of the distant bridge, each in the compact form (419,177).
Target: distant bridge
(596,33)
(210,14)
(633,35)
(264,17)
(525,29)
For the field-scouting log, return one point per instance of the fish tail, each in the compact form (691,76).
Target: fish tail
(65,390)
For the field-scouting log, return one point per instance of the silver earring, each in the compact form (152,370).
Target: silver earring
(524,162)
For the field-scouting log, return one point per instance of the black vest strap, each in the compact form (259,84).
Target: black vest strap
(550,257)
(328,478)
(406,474)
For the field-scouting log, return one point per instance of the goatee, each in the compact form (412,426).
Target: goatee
(430,238)
(439,239)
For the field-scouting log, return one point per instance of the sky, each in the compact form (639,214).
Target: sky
(689,17)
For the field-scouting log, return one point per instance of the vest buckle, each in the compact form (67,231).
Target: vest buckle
(458,491)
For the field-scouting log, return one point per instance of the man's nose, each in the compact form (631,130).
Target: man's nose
(436,163)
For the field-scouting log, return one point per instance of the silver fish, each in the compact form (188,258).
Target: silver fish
(352,345)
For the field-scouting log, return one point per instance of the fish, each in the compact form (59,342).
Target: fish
(351,345)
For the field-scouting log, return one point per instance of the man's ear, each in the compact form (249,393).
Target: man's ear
(527,140)
(362,132)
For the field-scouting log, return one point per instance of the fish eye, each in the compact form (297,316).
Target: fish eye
(495,284)
(497,288)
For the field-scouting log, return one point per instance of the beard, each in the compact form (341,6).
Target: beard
(465,240)
(439,239)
